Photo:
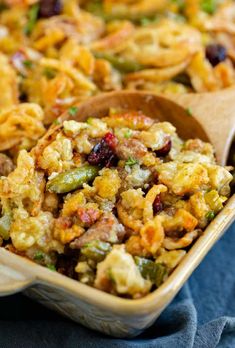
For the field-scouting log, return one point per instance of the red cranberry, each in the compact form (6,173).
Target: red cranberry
(157,204)
(111,140)
(49,8)
(216,54)
(165,149)
(103,154)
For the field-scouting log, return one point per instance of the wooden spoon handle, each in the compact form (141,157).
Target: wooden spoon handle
(216,114)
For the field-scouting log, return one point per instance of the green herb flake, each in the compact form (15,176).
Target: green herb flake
(89,120)
(38,256)
(73,110)
(210,215)
(95,7)
(128,134)
(51,267)
(5,225)
(32,19)
(110,275)
(189,111)
(113,111)
(208,6)
(49,73)
(131,161)
(28,63)
(180,4)
(56,122)
(145,21)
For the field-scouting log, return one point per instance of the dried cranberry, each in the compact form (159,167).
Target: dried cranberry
(216,53)
(49,8)
(111,140)
(157,204)
(165,149)
(103,154)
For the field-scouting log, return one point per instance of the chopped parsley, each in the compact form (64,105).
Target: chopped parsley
(89,120)
(189,111)
(28,63)
(145,21)
(32,19)
(73,110)
(131,161)
(51,267)
(208,6)
(56,122)
(39,256)
(180,4)
(49,73)
(210,215)
(128,134)
(110,275)
(113,111)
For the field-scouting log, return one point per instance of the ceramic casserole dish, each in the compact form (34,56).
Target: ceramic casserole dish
(115,316)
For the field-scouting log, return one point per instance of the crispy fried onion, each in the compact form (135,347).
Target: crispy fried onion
(130,209)
(167,44)
(175,225)
(77,76)
(148,213)
(20,122)
(186,240)
(78,55)
(132,8)
(8,83)
(157,75)
(206,78)
(53,31)
(223,20)
(152,235)
(127,219)
(121,32)
(20,2)
(134,210)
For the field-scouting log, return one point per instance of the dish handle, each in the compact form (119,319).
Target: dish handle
(12,281)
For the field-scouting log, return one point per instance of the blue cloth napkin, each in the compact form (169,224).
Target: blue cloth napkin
(201,316)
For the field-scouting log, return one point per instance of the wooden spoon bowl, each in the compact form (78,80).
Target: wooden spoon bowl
(154,106)
(208,116)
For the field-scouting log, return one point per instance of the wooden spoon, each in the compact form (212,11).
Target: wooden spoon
(209,116)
